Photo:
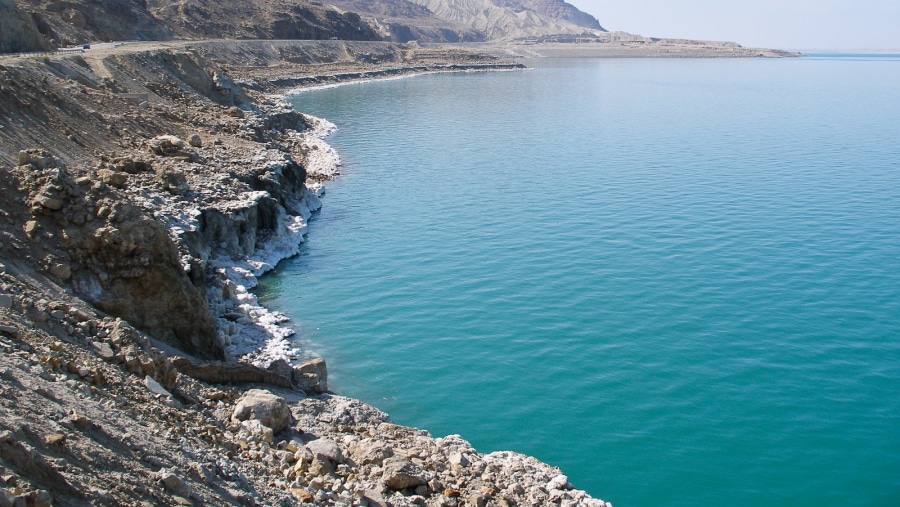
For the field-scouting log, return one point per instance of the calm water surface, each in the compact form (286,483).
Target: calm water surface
(678,280)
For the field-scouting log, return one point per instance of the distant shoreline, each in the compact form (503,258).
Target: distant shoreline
(644,48)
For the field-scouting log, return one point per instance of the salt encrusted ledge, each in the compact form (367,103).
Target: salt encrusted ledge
(259,335)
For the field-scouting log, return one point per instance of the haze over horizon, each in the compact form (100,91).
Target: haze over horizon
(781,24)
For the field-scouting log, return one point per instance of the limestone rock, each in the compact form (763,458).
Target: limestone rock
(401,473)
(325,449)
(375,498)
(130,165)
(228,93)
(165,145)
(104,351)
(50,202)
(256,429)
(302,495)
(172,180)
(38,159)
(154,387)
(270,410)
(31,228)
(370,452)
(459,460)
(61,271)
(312,377)
(79,420)
(113,178)
(55,439)
(558,482)
(175,484)
(477,499)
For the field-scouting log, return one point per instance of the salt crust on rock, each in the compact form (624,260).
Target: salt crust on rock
(256,335)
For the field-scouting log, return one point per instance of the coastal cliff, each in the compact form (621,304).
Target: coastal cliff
(143,190)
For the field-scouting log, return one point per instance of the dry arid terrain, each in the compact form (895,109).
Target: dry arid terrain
(142,190)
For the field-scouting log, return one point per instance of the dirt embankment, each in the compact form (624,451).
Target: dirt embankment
(142,189)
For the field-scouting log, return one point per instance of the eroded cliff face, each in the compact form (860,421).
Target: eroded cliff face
(164,216)
(92,239)
(76,22)
(18,30)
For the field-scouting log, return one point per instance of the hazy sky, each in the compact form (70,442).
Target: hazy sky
(782,24)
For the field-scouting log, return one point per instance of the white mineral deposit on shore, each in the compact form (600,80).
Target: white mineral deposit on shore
(263,338)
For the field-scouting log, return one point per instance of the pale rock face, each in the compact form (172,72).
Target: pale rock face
(558,482)
(270,410)
(401,473)
(174,483)
(370,452)
(154,387)
(311,377)
(324,448)
(256,429)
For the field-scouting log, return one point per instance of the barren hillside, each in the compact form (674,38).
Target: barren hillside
(28,25)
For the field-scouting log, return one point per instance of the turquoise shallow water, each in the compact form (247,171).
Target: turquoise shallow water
(678,280)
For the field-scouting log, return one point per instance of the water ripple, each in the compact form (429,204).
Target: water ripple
(677,280)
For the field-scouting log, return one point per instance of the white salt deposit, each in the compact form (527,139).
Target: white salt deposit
(257,334)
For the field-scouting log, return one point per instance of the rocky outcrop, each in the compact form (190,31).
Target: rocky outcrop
(277,19)
(112,253)
(77,22)
(18,31)
(270,410)
(399,473)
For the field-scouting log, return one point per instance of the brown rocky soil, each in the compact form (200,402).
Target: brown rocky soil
(142,189)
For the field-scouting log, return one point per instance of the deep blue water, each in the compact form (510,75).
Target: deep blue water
(678,280)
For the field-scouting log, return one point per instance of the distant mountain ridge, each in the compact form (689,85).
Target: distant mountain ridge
(471,20)
(558,10)
(33,25)
(51,23)
(512,19)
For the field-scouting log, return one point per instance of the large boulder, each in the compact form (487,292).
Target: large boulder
(370,452)
(311,377)
(401,473)
(326,449)
(270,410)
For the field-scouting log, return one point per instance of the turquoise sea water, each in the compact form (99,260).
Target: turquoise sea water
(678,280)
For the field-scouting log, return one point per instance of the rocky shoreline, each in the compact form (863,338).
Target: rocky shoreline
(143,191)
